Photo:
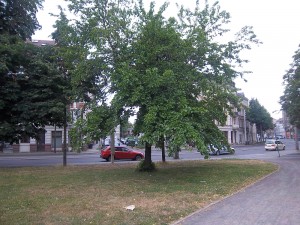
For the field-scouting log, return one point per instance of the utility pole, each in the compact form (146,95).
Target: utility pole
(65,137)
(54,138)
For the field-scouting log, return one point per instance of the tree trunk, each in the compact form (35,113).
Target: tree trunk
(176,153)
(148,160)
(112,146)
(296,138)
(163,149)
(163,152)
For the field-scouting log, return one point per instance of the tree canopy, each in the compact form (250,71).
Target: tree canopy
(260,116)
(172,71)
(290,100)
(31,91)
(31,85)
(18,17)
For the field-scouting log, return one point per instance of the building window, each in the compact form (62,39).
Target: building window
(56,139)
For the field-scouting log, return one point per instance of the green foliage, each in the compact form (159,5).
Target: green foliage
(180,79)
(172,71)
(18,17)
(98,123)
(260,116)
(32,89)
(290,100)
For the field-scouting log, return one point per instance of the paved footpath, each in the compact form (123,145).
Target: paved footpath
(274,200)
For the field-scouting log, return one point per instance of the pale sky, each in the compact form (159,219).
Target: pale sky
(276,24)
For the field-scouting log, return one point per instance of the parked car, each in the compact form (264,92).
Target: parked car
(272,144)
(107,142)
(213,150)
(121,152)
(131,142)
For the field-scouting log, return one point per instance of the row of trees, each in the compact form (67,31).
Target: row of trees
(124,59)
(290,99)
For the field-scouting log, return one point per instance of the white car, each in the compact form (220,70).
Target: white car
(274,145)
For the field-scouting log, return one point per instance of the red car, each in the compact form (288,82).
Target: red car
(121,152)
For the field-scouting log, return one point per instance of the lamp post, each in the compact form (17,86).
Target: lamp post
(245,130)
(65,122)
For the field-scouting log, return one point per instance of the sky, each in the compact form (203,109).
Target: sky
(276,24)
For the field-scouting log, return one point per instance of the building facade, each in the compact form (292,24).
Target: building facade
(237,129)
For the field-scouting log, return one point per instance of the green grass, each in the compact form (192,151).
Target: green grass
(98,194)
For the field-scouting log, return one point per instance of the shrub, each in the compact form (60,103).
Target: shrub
(146,167)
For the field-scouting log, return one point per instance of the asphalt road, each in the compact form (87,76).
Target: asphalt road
(91,157)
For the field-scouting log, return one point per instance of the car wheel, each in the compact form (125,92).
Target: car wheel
(218,152)
(283,148)
(108,159)
(138,158)
(232,151)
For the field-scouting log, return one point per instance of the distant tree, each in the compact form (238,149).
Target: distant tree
(290,100)
(260,116)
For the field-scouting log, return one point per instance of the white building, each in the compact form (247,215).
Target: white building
(237,129)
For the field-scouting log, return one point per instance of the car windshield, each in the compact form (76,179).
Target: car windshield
(270,142)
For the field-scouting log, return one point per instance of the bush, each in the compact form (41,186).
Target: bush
(143,167)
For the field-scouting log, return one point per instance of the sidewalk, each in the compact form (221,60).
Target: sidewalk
(274,200)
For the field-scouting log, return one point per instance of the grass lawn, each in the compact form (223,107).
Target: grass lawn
(99,194)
